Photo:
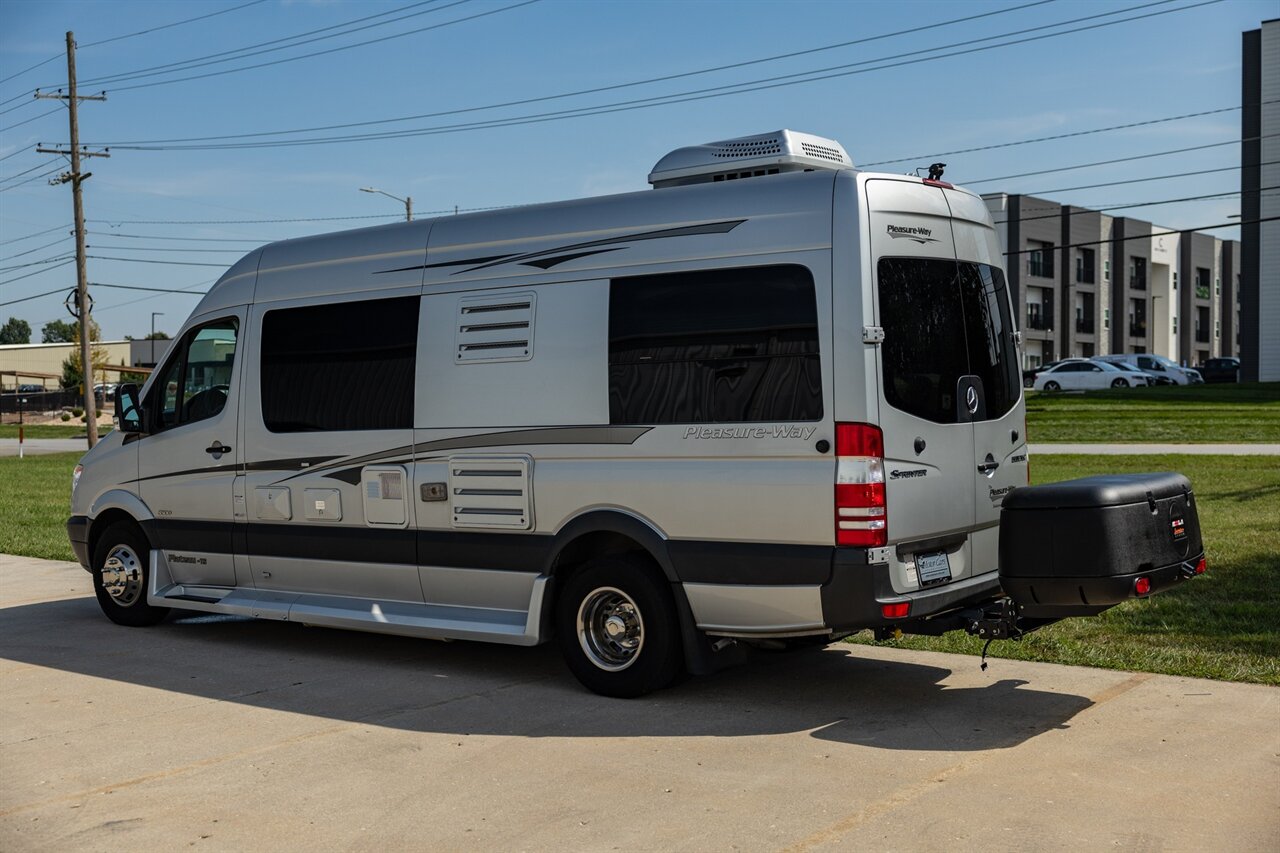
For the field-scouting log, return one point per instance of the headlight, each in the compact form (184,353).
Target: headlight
(75,478)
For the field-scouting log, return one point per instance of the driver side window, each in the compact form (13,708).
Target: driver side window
(194,382)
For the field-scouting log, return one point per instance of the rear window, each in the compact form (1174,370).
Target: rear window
(944,320)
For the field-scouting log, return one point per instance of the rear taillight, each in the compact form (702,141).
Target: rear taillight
(1201,567)
(861,517)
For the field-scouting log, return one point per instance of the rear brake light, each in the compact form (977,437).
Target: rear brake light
(1142,586)
(1201,568)
(934,183)
(900,610)
(861,516)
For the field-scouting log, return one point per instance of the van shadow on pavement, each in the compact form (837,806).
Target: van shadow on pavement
(481,689)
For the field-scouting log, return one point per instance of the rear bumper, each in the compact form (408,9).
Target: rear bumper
(1087,596)
(856,593)
(78,533)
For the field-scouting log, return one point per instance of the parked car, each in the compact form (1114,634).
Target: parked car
(1082,374)
(1221,370)
(1157,365)
(1029,375)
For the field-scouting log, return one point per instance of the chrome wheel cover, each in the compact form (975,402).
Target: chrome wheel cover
(610,629)
(121,576)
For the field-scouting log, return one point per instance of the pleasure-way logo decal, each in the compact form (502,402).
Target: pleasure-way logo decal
(913,232)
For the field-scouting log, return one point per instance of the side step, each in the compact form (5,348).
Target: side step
(405,618)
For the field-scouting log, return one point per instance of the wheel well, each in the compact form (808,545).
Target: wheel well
(599,543)
(104,520)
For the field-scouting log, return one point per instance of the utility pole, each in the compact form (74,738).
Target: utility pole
(75,179)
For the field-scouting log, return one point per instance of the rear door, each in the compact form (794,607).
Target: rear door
(922,364)
(999,424)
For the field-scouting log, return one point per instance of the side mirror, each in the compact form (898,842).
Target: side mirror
(128,409)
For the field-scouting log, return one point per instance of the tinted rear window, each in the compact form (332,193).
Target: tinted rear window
(944,320)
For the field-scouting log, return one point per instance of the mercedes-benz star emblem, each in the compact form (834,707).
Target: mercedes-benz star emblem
(971,399)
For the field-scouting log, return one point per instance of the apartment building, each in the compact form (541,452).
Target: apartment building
(1259,285)
(1086,283)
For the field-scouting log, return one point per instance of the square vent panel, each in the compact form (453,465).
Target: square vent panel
(495,328)
(491,491)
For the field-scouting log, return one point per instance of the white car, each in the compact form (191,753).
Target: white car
(1080,374)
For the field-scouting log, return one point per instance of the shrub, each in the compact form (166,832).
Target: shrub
(77,412)
(84,419)
(65,417)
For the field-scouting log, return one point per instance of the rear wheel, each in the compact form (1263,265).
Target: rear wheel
(1052,386)
(1120,382)
(121,574)
(617,627)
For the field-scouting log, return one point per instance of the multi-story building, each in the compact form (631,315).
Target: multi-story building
(1259,284)
(1085,283)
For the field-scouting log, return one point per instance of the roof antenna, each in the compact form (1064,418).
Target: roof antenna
(935,171)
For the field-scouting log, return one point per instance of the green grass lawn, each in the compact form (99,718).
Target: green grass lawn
(34,504)
(1182,414)
(1224,625)
(75,429)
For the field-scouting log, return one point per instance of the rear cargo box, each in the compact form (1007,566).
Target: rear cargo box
(1078,547)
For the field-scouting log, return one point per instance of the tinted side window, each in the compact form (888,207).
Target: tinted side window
(993,357)
(924,353)
(194,382)
(342,366)
(718,346)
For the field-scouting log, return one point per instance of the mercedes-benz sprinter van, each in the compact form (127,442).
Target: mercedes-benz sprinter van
(774,399)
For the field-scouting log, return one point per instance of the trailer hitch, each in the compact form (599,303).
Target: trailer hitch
(997,621)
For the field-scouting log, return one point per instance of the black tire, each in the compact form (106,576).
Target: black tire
(121,584)
(1120,382)
(629,595)
(1052,386)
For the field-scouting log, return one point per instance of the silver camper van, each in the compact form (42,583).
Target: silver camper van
(774,400)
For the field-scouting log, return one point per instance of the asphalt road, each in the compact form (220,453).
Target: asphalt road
(229,734)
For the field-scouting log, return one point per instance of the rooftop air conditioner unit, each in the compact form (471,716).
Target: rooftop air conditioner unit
(749,157)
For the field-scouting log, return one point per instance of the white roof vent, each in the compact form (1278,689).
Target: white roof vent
(749,157)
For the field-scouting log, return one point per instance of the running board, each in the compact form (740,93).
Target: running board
(405,618)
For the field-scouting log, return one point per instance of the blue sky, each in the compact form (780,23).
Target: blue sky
(139,201)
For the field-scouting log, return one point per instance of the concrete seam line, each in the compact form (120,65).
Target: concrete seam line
(833,833)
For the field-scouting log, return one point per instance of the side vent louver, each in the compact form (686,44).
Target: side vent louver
(495,328)
(490,491)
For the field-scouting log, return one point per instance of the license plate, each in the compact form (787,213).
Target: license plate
(933,568)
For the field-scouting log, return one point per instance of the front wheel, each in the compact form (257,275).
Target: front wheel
(618,629)
(1120,382)
(121,575)
(1052,386)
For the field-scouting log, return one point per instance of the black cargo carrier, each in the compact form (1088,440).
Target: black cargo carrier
(1078,547)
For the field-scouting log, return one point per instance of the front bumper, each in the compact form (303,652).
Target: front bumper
(78,533)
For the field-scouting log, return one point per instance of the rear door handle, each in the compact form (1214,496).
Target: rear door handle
(218,447)
(988,467)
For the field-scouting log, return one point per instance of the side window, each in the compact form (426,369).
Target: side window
(341,366)
(993,357)
(719,346)
(924,353)
(194,382)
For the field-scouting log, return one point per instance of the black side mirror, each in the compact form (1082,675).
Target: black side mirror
(128,409)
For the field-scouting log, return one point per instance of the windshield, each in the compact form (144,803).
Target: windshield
(944,320)
(1167,362)
(1105,365)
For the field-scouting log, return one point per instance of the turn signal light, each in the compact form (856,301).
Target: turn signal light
(861,517)
(896,611)
(1142,586)
(1201,568)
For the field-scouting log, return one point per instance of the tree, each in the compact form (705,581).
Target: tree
(72,374)
(57,332)
(15,332)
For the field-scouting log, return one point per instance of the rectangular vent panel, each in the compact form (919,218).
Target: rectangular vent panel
(491,491)
(495,328)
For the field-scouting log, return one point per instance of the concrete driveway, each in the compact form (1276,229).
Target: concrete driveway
(230,734)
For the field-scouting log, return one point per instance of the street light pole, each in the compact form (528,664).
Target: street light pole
(154,315)
(407,202)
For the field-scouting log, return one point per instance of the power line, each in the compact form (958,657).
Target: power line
(33,296)
(110,247)
(155,295)
(199,61)
(1149,236)
(152,289)
(463,20)
(28,121)
(42,262)
(780,81)
(8,178)
(37,272)
(1083,209)
(1117,160)
(1142,180)
(32,179)
(37,248)
(197,239)
(239,221)
(36,234)
(131,35)
(633,83)
(152,261)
